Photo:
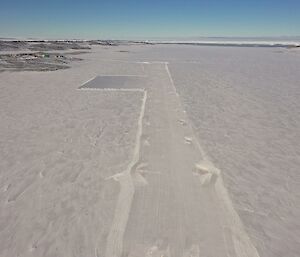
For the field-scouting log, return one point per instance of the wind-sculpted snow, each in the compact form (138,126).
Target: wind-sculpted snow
(58,146)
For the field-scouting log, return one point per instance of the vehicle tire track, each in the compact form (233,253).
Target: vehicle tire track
(114,245)
(242,244)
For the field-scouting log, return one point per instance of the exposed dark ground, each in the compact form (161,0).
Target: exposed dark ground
(38,55)
(9,45)
(36,61)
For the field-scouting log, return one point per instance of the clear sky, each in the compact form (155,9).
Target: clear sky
(127,19)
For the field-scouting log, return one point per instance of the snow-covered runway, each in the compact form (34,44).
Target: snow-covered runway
(107,158)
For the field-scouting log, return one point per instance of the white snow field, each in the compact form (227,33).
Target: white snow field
(151,151)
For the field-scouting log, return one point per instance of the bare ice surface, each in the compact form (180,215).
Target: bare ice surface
(115,82)
(182,151)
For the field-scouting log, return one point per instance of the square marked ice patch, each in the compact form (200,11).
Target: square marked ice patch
(115,82)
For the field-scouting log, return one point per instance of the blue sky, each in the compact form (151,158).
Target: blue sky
(148,19)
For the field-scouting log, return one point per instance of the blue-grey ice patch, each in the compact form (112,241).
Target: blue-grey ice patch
(116,82)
